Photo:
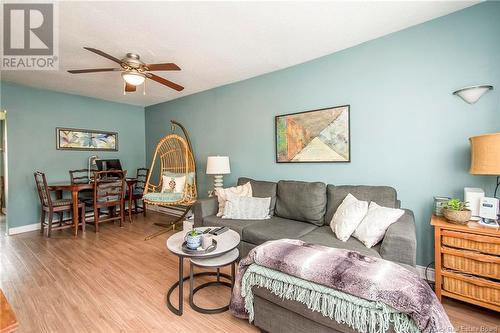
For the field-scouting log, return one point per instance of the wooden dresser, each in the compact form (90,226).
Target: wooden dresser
(467,262)
(8,321)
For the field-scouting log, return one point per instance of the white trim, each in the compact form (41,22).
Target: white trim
(421,272)
(23,228)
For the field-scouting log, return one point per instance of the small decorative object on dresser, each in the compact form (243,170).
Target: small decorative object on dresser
(439,203)
(473,196)
(456,211)
(488,209)
(467,260)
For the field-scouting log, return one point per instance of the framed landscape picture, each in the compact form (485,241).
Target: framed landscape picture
(314,136)
(81,139)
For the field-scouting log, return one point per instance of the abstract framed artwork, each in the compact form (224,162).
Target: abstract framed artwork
(314,136)
(82,139)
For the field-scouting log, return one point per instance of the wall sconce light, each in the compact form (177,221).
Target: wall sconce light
(472,94)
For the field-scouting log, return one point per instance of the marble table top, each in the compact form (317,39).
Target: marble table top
(219,261)
(226,242)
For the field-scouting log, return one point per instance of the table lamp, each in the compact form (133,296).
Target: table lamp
(218,166)
(485,156)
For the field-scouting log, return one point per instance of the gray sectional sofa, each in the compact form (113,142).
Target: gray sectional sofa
(303,210)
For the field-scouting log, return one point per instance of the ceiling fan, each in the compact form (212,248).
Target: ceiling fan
(134,72)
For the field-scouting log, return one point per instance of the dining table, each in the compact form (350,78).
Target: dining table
(75,188)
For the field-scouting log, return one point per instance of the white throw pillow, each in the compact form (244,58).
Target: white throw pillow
(246,208)
(173,184)
(222,194)
(348,216)
(373,227)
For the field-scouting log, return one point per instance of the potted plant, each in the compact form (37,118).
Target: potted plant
(193,239)
(457,211)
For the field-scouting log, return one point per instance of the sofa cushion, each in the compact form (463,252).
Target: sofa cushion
(275,228)
(383,195)
(236,225)
(325,236)
(301,201)
(262,189)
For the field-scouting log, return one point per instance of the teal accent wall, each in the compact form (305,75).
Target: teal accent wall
(407,129)
(32,118)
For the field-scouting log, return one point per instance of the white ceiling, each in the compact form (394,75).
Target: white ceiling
(215,43)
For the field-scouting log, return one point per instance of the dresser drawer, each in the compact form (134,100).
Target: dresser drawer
(471,262)
(472,287)
(469,241)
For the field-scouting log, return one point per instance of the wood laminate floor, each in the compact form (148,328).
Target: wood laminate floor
(114,281)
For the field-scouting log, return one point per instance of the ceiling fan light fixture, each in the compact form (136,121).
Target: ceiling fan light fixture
(133,78)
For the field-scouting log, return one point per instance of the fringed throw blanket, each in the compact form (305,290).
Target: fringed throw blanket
(366,293)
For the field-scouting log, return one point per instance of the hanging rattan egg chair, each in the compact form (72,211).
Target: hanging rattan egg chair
(174,159)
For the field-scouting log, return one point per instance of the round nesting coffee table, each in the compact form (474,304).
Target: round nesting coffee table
(226,242)
(226,259)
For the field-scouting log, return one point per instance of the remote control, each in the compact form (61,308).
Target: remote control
(215,230)
(223,230)
(206,231)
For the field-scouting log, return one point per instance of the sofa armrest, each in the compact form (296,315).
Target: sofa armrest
(203,208)
(400,240)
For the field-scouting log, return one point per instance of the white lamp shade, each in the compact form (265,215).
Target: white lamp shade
(218,165)
(133,78)
(472,94)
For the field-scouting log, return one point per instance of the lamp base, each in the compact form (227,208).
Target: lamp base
(218,181)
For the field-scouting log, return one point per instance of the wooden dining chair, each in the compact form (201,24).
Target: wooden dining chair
(138,192)
(109,193)
(81,176)
(58,206)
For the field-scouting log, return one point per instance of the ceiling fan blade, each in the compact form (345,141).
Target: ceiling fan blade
(163,67)
(103,54)
(93,70)
(163,81)
(130,87)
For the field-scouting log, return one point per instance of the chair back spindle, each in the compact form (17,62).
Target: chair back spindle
(142,175)
(43,189)
(80,176)
(109,186)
